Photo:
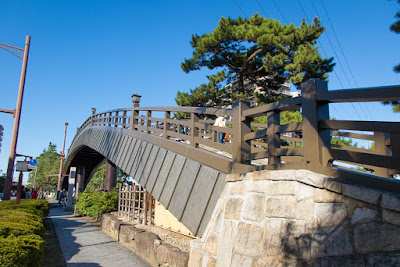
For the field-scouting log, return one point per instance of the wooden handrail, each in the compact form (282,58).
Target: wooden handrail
(381,94)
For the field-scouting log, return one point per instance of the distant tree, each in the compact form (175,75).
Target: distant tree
(122,177)
(395,27)
(260,51)
(287,117)
(97,181)
(212,94)
(48,163)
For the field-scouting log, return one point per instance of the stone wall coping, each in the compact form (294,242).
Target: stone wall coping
(385,199)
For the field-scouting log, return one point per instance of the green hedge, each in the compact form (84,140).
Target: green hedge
(97,202)
(21,230)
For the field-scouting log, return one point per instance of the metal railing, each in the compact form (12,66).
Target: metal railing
(305,144)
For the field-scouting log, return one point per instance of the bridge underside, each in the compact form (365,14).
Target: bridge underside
(188,188)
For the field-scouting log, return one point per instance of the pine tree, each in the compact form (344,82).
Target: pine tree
(395,27)
(258,51)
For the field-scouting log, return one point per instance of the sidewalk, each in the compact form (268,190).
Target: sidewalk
(84,244)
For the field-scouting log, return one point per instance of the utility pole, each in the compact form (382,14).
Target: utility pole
(62,157)
(17,112)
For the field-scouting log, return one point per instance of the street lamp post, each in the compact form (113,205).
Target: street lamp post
(62,156)
(17,112)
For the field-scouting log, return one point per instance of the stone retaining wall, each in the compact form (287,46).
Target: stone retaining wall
(296,218)
(145,244)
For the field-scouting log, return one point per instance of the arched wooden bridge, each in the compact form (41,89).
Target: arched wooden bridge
(176,160)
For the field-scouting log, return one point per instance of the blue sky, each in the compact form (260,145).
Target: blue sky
(88,54)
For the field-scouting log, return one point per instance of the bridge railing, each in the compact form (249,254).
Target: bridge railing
(196,128)
(257,136)
(310,141)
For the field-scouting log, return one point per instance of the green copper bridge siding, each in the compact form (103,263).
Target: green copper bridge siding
(187,188)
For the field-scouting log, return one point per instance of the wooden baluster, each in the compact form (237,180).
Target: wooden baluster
(180,127)
(124,120)
(273,137)
(116,119)
(109,118)
(381,147)
(316,142)
(195,132)
(167,116)
(148,122)
(240,148)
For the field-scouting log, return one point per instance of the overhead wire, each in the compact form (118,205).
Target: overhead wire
(265,13)
(240,9)
(339,62)
(280,12)
(341,49)
(325,54)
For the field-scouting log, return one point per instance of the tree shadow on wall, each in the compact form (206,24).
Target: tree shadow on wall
(304,245)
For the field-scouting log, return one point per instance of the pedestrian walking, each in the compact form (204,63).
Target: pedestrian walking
(61,198)
(221,122)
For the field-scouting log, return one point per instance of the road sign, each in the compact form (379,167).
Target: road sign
(33,162)
(23,166)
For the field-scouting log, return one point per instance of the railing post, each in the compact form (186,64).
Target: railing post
(273,137)
(316,142)
(194,118)
(395,146)
(241,126)
(116,119)
(92,118)
(148,122)
(135,115)
(167,116)
(381,147)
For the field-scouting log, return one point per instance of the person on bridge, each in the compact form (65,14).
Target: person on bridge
(220,122)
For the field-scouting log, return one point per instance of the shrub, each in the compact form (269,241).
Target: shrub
(21,227)
(26,250)
(97,202)
(35,206)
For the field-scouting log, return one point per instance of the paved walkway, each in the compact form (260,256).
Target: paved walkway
(84,244)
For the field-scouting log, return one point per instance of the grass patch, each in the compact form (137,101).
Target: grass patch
(52,248)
